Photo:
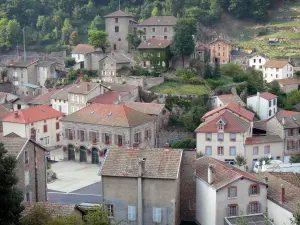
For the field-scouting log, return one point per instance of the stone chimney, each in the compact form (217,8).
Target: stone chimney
(282,194)
(16,115)
(210,172)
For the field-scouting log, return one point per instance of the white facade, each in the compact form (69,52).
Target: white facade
(79,57)
(271,73)
(216,102)
(277,213)
(264,108)
(257,62)
(60,105)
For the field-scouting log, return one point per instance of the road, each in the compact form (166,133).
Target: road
(90,194)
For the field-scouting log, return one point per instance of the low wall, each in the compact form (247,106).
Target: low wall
(141,81)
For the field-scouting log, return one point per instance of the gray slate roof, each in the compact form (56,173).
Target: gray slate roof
(118,58)
(13,145)
(120,87)
(159,163)
(159,21)
(118,13)
(291,119)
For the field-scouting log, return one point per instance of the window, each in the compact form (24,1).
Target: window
(276,75)
(110,210)
(115,47)
(94,136)
(270,103)
(253,208)
(156,215)
(158,54)
(57,137)
(131,213)
(208,150)
(69,134)
(208,136)
(117,29)
(223,53)
(81,135)
(116,20)
(220,136)
(233,210)
(137,137)
(153,29)
(82,99)
(232,192)
(27,178)
(165,29)
(153,37)
(277,69)
(254,189)
(27,197)
(26,157)
(120,140)
(232,137)
(106,138)
(259,60)
(220,150)
(290,144)
(77,99)
(270,112)
(291,132)
(19,106)
(255,150)
(254,60)
(72,98)
(267,149)
(166,37)
(220,127)
(147,134)
(145,30)
(144,38)
(45,128)
(232,151)
(57,125)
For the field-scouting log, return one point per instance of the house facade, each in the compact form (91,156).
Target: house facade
(258,61)
(158,27)
(201,52)
(220,51)
(144,191)
(289,84)
(97,127)
(220,100)
(30,158)
(225,191)
(40,123)
(263,104)
(277,69)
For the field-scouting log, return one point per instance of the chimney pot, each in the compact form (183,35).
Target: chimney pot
(282,196)
(210,174)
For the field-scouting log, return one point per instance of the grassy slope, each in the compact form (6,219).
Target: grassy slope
(176,88)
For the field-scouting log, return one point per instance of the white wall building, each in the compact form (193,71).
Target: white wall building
(276,69)
(264,104)
(220,100)
(258,61)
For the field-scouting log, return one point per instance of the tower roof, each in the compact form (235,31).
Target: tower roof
(118,13)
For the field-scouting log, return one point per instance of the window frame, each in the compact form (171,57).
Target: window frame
(206,147)
(232,139)
(220,148)
(207,138)
(131,214)
(228,194)
(117,29)
(45,128)
(110,210)
(250,211)
(156,217)
(251,190)
(58,137)
(57,125)
(232,147)
(26,178)
(253,153)
(236,210)
(221,139)
(269,151)
(26,157)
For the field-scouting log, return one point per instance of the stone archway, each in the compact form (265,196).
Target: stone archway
(71,152)
(95,156)
(82,154)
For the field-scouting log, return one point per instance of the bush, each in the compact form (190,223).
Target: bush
(69,62)
(295,159)
(187,143)
(215,83)
(193,80)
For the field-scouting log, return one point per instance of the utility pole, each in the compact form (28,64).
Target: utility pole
(24,43)
(119,4)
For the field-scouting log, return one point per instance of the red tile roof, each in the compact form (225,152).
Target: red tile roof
(235,108)
(283,112)
(82,49)
(288,81)
(109,97)
(32,114)
(224,174)
(159,21)
(147,108)
(154,44)
(263,139)
(234,124)
(265,95)
(231,98)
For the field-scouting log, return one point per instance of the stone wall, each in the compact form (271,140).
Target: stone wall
(166,136)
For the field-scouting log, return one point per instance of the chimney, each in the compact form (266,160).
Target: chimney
(266,179)
(16,115)
(282,194)
(11,62)
(210,174)
(283,120)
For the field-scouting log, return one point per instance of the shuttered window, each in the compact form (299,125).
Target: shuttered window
(57,125)
(131,213)
(156,215)
(233,210)
(45,128)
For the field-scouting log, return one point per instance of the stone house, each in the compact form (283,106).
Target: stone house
(31,167)
(220,100)
(142,186)
(200,52)
(22,74)
(59,100)
(223,192)
(45,99)
(22,102)
(118,24)
(257,61)
(40,123)
(155,52)
(277,69)
(283,195)
(98,127)
(220,51)
(133,90)
(263,104)
(112,97)
(286,124)
(158,27)
(289,84)
(110,64)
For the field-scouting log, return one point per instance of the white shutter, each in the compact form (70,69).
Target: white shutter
(157,215)
(27,178)
(131,213)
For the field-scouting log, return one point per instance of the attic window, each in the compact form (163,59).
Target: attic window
(220,127)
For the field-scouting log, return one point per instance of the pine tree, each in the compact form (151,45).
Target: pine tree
(217,71)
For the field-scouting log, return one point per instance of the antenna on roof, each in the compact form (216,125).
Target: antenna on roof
(119,4)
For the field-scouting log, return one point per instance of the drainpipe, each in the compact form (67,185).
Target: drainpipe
(140,190)
(35,175)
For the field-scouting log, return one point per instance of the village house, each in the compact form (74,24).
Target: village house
(40,123)
(224,192)
(4,112)
(263,104)
(142,186)
(98,127)
(45,99)
(23,77)
(257,61)
(30,168)
(277,69)
(289,84)
(133,90)
(220,100)
(200,52)
(286,124)
(283,195)
(220,51)
(118,25)
(112,97)
(59,100)
(155,53)
(22,102)
(158,27)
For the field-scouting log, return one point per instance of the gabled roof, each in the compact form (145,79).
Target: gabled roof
(291,118)
(44,99)
(265,95)
(231,98)
(82,49)
(147,108)
(263,139)
(224,174)
(288,81)
(62,94)
(13,145)
(235,108)
(109,115)
(109,97)
(23,64)
(83,87)
(272,63)
(154,44)
(47,63)
(118,13)
(234,124)
(223,40)
(32,114)
(159,163)
(159,21)
(118,58)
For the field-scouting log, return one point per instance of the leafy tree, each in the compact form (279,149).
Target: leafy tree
(98,39)
(232,69)
(296,216)
(155,11)
(207,71)
(241,220)
(74,39)
(255,82)
(187,143)
(297,73)
(135,38)
(294,159)
(183,43)
(37,216)
(99,216)
(10,196)
(199,155)
(240,160)
(97,23)
(191,119)
(217,71)
(292,98)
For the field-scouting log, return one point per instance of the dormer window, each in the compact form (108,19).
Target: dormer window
(220,127)
(220,123)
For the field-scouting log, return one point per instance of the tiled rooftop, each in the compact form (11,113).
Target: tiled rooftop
(263,139)
(231,98)
(276,63)
(159,21)
(147,108)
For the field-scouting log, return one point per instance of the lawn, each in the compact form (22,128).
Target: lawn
(177,88)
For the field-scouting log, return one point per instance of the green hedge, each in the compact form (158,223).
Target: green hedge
(187,143)
(193,80)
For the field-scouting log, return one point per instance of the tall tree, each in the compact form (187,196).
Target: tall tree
(135,38)
(217,71)
(255,82)
(74,39)
(183,43)
(98,39)
(66,31)
(10,196)
(97,23)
